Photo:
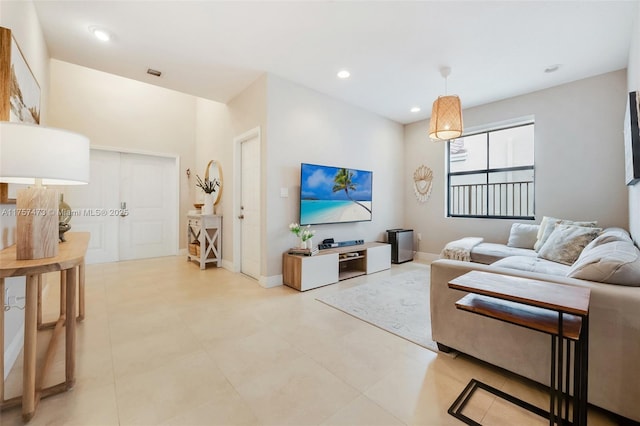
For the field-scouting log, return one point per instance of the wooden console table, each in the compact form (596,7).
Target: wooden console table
(561,311)
(331,265)
(204,234)
(69,260)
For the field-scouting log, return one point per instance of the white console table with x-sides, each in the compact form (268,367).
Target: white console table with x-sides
(205,231)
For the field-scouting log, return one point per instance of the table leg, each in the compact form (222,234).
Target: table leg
(63,293)
(70,329)
(2,341)
(81,291)
(552,382)
(30,336)
(584,371)
(39,301)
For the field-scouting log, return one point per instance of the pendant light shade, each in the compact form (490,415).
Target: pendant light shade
(446,118)
(446,114)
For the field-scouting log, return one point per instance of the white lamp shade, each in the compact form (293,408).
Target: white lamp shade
(446,118)
(29,152)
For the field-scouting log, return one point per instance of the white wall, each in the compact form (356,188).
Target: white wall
(305,126)
(113,111)
(578,158)
(633,84)
(214,138)
(247,111)
(21,18)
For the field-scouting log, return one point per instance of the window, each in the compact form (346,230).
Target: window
(491,174)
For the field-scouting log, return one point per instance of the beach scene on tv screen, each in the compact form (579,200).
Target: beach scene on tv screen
(333,194)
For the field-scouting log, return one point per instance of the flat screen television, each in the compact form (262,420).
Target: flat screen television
(334,194)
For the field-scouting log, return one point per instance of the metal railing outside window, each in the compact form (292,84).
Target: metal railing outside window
(492,174)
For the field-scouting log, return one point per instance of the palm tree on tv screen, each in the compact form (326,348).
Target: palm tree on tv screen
(343,181)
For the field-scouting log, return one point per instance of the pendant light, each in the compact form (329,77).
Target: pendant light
(446,115)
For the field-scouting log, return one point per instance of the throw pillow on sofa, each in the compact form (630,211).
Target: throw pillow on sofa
(547,226)
(547,223)
(566,242)
(610,235)
(616,262)
(523,235)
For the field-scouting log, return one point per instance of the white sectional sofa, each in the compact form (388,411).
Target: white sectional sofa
(609,266)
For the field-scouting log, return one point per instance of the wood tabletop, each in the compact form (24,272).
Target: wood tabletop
(70,254)
(532,317)
(554,296)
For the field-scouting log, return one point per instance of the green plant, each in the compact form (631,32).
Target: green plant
(307,234)
(304,234)
(208,186)
(295,228)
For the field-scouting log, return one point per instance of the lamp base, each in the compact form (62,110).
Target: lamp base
(36,223)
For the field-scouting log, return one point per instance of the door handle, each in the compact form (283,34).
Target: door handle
(241,216)
(123,209)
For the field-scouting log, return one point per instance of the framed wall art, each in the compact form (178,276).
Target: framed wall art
(632,140)
(19,94)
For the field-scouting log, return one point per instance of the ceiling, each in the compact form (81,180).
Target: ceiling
(393,49)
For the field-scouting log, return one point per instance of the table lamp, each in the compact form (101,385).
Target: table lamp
(39,155)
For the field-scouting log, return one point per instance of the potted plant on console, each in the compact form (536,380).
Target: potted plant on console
(209,187)
(305,235)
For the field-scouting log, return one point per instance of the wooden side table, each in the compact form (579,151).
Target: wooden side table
(204,234)
(561,311)
(70,259)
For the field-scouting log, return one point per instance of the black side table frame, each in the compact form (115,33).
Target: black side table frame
(569,348)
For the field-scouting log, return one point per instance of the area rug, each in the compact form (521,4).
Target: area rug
(398,304)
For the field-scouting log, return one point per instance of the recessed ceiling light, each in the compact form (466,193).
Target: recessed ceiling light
(552,68)
(344,74)
(100,33)
(415,109)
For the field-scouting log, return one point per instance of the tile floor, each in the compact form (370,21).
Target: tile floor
(165,343)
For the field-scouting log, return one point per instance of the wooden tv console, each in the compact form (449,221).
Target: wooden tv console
(332,265)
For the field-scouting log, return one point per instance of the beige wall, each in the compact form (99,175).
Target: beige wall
(214,139)
(247,111)
(117,112)
(305,126)
(21,18)
(633,84)
(578,159)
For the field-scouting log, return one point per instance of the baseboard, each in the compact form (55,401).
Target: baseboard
(270,282)
(228,265)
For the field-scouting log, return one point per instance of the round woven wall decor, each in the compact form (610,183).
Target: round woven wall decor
(422,183)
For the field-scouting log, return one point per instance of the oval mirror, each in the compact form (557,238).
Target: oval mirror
(214,171)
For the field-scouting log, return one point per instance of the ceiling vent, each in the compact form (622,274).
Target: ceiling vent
(153,72)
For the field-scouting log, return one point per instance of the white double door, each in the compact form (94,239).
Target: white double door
(129,206)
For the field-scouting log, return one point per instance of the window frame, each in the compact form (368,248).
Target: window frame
(488,171)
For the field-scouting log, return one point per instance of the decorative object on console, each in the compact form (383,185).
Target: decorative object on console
(632,139)
(42,156)
(305,235)
(304,252)
(422,183)
(446,114)
(64,217)
(19,94)
(209,187)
